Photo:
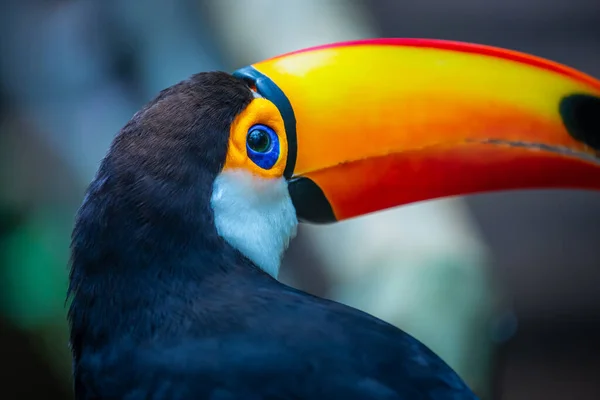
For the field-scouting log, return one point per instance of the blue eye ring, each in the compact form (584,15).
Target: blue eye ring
(262,146)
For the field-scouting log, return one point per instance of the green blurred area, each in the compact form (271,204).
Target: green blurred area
(34,253)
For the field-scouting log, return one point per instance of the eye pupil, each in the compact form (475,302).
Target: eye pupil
(262,146)
(259,140)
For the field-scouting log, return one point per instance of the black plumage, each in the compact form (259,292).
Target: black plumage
(164,308)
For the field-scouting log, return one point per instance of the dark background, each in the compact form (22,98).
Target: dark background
(75,72)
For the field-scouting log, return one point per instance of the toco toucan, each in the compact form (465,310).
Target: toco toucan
(177,244)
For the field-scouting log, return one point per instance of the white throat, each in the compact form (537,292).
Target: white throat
(255,215)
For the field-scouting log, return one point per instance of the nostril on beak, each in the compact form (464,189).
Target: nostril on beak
(581,116)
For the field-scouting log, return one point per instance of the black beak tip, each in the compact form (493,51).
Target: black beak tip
(581,116)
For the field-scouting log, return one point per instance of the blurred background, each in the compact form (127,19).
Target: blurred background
(502,286)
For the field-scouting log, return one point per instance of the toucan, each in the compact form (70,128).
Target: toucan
(178,241)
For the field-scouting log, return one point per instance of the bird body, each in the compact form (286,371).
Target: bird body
(263,341)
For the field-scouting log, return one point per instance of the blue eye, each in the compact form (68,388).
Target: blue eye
(262,146)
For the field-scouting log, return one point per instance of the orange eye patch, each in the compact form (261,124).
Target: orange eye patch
(257,140)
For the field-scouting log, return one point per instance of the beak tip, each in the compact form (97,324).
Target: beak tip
(581,116)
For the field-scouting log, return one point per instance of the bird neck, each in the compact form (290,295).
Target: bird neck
(138,264)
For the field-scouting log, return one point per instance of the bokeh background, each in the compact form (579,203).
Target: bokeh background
(503,286)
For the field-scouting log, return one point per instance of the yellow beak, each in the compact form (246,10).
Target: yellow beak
(379,123)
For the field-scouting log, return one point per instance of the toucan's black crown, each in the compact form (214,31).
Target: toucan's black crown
(188,122)
(167,155)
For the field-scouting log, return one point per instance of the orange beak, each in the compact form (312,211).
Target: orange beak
(379,123)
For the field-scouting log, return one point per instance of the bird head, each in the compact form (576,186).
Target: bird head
(338,131)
